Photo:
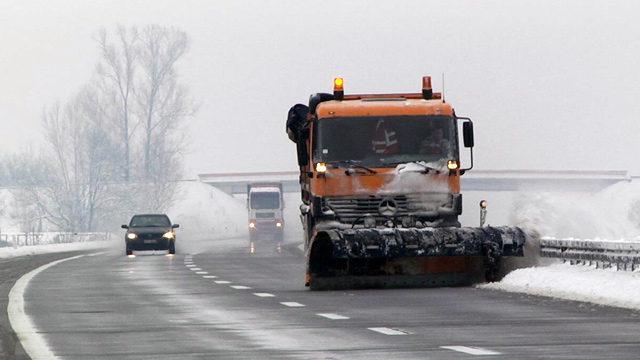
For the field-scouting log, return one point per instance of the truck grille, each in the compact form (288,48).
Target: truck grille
(268,215)
(348,209)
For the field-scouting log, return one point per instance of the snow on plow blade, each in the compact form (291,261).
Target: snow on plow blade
(409,257)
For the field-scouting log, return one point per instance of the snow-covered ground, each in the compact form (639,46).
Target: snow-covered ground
(10,252)
(206,214)
(611,214)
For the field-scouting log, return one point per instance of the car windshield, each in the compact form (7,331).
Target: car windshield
(383,140)
(150,221)
(265,200)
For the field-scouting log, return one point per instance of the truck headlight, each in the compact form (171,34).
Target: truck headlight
(168,235)
(131,236)
(321,167)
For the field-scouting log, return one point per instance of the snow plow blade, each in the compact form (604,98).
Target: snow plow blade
(400,257)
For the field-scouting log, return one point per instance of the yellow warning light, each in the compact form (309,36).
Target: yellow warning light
(321,167)
(483,204)
(452,164)
(252,225)
(278,224)
(338,83)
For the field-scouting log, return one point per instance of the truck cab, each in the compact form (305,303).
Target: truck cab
(265,205)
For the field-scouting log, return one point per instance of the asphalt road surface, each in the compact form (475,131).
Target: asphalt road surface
(228,300)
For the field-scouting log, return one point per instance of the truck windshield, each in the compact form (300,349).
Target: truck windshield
(265,200)
(378,141)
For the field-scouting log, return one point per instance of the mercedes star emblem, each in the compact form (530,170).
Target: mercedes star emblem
(387,207)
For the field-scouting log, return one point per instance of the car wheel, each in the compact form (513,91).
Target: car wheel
(129,251)
(172,247)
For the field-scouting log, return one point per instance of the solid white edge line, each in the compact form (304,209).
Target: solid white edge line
(388,331)
(332,316)
(33,343)
(98,254)
(471,350)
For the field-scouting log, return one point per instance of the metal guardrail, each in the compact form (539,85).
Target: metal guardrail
(624,255)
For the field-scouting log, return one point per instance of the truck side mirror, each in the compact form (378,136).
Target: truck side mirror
(295,121)
(467,134)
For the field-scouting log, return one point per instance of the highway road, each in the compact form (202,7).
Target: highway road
(220,300)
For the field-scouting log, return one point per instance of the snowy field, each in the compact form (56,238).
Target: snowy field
(206,214)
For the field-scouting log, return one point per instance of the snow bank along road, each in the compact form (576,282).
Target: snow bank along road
(225,302)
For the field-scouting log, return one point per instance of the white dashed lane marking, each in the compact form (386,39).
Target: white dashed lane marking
(333,316)
(190,266)
(471,350)
(263,295)
(388,331)
(210,277)
(292,304)
(240,287)
(195,269)
(222,282)
(201,272)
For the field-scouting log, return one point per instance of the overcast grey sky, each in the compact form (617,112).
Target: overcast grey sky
(549,84)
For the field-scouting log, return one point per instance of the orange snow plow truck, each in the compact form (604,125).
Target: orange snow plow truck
(380,180)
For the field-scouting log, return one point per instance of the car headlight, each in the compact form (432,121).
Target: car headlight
(168,235)
(131,236)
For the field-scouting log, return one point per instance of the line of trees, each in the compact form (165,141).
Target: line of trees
(116,147)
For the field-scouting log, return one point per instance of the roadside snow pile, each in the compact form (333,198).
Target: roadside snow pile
(206,213)
(613,213)
(10,252)
(579,283)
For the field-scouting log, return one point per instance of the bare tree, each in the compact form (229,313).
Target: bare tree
(115,148)
(81,164)
(163,102)
(116,72)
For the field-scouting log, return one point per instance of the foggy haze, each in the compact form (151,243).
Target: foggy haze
(549,84)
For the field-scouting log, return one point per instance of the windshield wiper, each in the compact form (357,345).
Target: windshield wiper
(426,170)
(352,164)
